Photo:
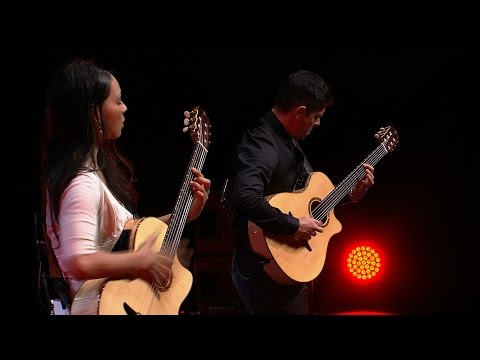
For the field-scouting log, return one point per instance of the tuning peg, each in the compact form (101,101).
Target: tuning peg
(185,129)
(186,121)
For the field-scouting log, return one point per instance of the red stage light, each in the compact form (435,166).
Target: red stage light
(363,262)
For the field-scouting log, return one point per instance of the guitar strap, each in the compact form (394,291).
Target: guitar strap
(58,284)
(306,163)
(53,266)
(302,162)
(45,246)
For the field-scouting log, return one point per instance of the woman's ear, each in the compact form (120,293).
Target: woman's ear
(96,117)
(95,112)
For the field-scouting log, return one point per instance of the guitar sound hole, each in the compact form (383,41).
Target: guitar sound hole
(315,211)
(123,241)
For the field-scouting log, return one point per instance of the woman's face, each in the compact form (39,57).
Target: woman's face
(113,109)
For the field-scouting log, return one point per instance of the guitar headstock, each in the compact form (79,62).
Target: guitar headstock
(388,136)
(199,126)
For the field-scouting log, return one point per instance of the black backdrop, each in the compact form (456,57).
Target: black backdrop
(421,206)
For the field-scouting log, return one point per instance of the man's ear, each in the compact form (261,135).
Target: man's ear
(300,111)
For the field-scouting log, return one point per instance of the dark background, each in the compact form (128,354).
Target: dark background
(419,213)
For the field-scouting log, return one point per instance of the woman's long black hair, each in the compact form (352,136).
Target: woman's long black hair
(73,130)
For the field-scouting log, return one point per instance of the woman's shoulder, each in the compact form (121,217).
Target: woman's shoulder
(86,180)
(84,191)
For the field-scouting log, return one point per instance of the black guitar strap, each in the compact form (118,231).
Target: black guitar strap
(306,163)
(53,281)
(307,167)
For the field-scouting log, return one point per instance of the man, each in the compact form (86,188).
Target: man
(268,161)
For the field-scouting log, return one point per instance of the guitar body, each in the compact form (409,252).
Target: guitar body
(137,296)
(292,264)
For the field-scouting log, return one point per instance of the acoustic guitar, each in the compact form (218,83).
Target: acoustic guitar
(287,262)
(137,296)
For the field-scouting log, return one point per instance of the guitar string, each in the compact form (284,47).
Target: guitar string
(197,162)
(177,214)
(172,238)
(346,185)
(358,173)
(168,243)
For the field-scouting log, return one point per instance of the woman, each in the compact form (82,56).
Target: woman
(89,193)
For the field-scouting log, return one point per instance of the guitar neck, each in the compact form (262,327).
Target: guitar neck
(342,189)
(183,203)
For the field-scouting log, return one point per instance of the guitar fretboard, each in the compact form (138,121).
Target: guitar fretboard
(183,203)
(342,189)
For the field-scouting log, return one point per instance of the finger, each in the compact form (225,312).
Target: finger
(368,175)
(206,183)
(368,166)
(206,186)
(197,187)
(197,172)
(166,262)
(201,185)
(162,279)
(203,181)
